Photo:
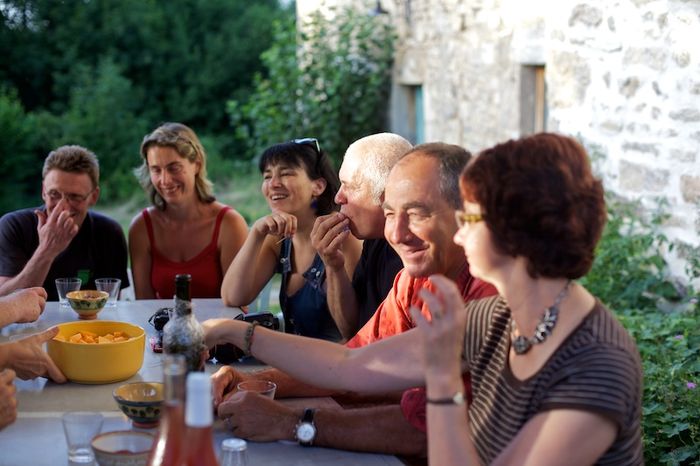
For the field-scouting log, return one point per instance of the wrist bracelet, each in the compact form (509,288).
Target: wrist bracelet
(248,338)
(456,399)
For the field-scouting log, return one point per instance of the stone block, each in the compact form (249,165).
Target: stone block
(682,58)
(629,87)
(683,155)
(686,115)
(570,75)
(586,14)
(640,178)
(611,127)
(653,57)
(690,188)
(641,147)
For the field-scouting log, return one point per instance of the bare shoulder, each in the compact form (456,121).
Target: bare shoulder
(137,225)
(232,220)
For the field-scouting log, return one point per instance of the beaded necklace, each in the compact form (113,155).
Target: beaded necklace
(544,328)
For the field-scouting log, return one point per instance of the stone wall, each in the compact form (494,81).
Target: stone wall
(622,75)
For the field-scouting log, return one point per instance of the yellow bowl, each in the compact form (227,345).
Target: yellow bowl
(98,363)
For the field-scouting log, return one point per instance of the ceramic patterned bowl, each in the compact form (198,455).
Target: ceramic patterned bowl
(122,448)
(87,303)
(98,363)
(142,402)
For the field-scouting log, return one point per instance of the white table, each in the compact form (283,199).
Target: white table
(37,438)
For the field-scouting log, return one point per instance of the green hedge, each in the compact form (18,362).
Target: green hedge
(629,276)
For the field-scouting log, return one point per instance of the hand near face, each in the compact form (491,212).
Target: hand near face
(8,402)
(29,360)
(26,305)
(443,336)
(277,223)
(327,237)
(57,229)
(254,417)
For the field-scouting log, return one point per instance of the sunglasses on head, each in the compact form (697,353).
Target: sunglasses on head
(313,142)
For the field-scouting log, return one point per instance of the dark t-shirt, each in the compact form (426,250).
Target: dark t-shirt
(374,276)
(97,251)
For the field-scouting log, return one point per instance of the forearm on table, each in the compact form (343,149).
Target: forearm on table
(381,429)
(390,364)
(33,274)
(387,365)
(342,302)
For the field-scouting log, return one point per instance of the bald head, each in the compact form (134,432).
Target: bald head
(374,156)
(363,176)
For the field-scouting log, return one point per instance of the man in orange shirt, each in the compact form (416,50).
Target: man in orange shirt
(419,205)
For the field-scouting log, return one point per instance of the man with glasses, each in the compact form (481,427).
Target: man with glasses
(63,238)
(418,210)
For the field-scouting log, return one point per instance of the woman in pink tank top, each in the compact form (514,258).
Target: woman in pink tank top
(186,230)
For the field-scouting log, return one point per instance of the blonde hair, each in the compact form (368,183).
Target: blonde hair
(186,143)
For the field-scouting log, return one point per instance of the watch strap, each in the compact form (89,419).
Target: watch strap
(308,415)
(456,399)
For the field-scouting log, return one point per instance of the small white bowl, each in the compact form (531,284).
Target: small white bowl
(122,448)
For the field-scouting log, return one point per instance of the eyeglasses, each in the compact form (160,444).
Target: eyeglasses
(464,218)
(71,198)
(313,142)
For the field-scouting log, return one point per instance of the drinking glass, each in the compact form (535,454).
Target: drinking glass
(65,286)
(80,427)
(111,286)
(234,452)
(263,387)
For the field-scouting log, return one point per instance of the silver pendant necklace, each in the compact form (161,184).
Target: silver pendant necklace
(544,328)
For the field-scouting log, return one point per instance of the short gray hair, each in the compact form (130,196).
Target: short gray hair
(452,160)
(378,153)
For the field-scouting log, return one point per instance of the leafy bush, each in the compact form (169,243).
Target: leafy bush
(629,277)
(19,154)
(330,80)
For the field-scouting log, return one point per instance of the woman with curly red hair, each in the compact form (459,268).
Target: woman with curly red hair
(555,378)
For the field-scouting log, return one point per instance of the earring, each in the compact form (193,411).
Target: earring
(314,203)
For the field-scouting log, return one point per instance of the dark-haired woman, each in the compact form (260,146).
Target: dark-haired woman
(555,378)
(186,230)
(299,185)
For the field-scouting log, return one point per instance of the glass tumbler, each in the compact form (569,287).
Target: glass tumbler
(234,452)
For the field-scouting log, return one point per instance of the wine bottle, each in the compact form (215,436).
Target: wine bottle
(198,419)
(183,334)
(168,448)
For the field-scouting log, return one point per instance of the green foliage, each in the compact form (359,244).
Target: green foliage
(629,270)
(102,73)
(329,81)
(629,276)
(18,154)
(670,348)
(102,116)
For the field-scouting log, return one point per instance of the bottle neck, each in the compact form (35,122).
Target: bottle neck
(199,412)
(174,377)
(182,307)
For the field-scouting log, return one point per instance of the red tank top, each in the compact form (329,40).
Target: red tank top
(205,267)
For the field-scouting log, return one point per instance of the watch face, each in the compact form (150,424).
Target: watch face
(306,432)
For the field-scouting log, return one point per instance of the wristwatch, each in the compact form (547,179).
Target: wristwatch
(305,431)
